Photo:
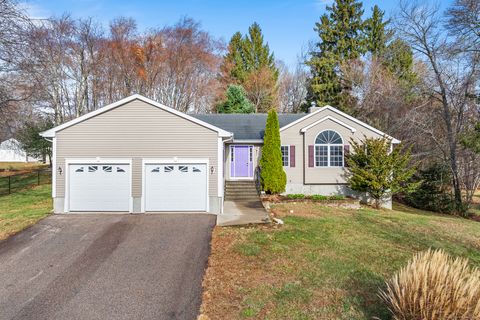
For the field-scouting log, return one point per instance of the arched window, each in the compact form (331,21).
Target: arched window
(328,149)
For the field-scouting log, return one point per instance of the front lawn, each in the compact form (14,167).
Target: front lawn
(24,208)
(324,263)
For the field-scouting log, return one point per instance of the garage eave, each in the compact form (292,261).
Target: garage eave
(51,132)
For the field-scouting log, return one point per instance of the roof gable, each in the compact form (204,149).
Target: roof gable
(340,113)
(51,132)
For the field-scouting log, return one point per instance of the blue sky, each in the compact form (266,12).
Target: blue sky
(287,24)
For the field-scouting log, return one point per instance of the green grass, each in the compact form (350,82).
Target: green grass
(331,265)
(23,180)
(24,208)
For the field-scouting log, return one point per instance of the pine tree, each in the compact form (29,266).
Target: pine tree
(235,101)
(233,67)
(250,64)
(376,32)
(398,60)
(341,39)
(257,54)
(272,176)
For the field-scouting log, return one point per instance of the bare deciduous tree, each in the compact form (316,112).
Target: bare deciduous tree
(292,89)
(464,22)
(451,82)
(13,22)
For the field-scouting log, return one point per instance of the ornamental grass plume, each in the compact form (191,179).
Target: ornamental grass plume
(434,286)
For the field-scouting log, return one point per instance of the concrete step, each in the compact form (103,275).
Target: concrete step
(239,183)
(242,193)
(241,189)
(237,186)
(242,199)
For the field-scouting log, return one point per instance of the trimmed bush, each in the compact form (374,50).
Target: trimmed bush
(296,196)
(273,178)
(434,286)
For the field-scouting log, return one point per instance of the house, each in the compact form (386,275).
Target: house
(137,155)
(11,151)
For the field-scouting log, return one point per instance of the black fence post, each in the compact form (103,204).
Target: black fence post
(9,185)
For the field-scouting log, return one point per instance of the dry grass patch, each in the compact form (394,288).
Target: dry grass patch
(13,168)
(324,263)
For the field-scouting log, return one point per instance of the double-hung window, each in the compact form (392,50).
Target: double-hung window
(285,156)
(328,149)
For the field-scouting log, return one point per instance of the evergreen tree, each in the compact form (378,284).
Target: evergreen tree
(233,66)
(257,54)
(30,140)
(250,64)
(376,33)
(377,171)
(341,39)
(398,59)
(272,176)
(235,101)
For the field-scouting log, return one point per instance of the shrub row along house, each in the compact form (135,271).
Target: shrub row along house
(137,155)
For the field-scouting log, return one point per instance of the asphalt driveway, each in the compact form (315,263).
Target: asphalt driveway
(106,267)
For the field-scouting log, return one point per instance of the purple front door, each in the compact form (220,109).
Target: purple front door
(241,161)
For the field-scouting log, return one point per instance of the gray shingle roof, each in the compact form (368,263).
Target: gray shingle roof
(246,126)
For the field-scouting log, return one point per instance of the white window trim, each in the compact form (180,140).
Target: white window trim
(174,161)
(288,156)
(89,161)
(328,155)
(328,151)
(251,164)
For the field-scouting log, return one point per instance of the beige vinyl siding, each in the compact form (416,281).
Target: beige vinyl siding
(318,175)
(137,130)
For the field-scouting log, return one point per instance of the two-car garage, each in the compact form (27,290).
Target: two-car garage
(167,186)
(135,156)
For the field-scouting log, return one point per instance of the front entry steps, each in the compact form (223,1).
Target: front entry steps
(242,205)
(241,190)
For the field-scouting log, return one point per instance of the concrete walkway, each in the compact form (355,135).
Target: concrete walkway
(242,212)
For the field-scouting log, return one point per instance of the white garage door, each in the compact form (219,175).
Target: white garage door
(175,187)
(99,187)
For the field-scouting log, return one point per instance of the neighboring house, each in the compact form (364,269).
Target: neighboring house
(11,151)
(137,155)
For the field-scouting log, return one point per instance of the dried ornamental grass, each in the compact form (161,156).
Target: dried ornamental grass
(434,286)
